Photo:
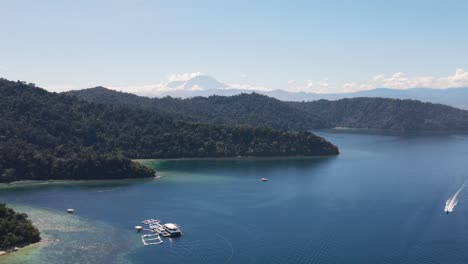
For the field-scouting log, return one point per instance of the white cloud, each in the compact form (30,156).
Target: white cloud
(176,82)
(399,80)
(183,77)
(61,87)
(146,90)
(247,87)
(308,86)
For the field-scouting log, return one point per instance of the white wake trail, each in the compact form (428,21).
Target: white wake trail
(453,200)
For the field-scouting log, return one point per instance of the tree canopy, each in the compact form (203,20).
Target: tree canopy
(255,109)
(16,229)
(46,135)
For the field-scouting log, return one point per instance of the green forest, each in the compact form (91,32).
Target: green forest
(16,229)
(388,114)
(255,109)
(244,109)
(46,135)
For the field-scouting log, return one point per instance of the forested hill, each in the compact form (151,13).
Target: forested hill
(46,135)
(16,229)
(249,109)
(367,113)
(388,114)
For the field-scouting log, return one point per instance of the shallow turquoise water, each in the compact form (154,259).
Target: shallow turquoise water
(380,201)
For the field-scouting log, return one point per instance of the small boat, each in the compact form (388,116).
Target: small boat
(70,211)
(264,179)
(138,228)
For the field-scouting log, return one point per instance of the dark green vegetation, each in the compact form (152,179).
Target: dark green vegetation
(52,136)
(247,109)
(367,113)
(388,114)
(16,229)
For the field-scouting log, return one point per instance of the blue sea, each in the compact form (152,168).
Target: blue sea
(380,201)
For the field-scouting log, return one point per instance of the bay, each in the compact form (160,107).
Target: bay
(380,201)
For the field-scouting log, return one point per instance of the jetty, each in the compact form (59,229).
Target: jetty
(157,230)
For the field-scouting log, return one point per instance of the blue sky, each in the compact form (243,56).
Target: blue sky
(311,45)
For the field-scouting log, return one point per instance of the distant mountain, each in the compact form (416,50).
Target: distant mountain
(368,113)
(204,85)
(200,82)
(52,136)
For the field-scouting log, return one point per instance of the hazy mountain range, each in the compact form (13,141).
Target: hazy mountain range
(204,85)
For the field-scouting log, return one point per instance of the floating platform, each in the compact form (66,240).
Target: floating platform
(158,230)
(151,239)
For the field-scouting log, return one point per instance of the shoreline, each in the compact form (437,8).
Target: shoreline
(18,248)
(241,158)
(45,182)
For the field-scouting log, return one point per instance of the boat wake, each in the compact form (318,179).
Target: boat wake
(453,200)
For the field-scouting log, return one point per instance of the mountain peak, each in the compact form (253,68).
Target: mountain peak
(199,82)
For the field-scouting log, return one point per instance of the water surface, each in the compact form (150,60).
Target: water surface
(380,201)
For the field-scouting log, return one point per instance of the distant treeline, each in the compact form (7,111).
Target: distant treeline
(46,135)
(255,109)
(243,109)
(387,114)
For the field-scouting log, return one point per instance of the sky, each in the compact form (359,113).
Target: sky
(312,46)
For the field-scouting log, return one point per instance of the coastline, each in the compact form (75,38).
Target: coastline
(241,158)
(58,182)
(22,247)
(66,236)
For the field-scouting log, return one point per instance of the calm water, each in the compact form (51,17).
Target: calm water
(380,201)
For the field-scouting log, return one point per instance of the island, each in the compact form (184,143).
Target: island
(46,135)
(15,230)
